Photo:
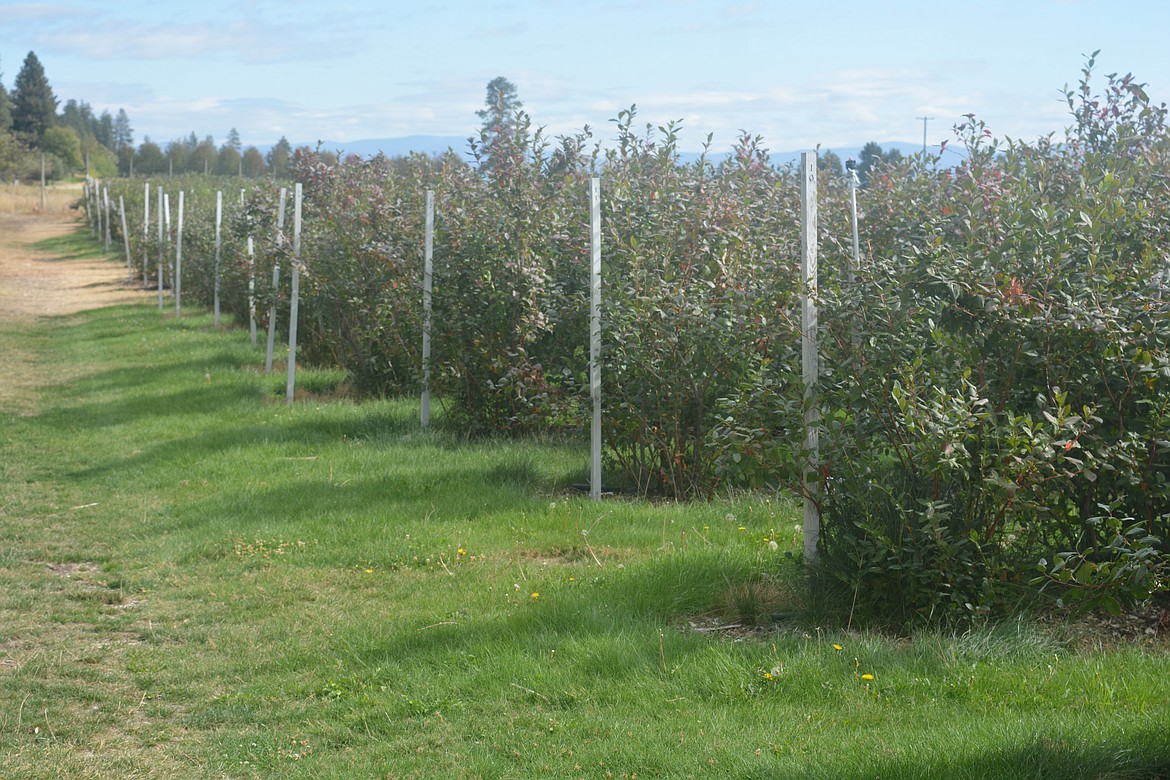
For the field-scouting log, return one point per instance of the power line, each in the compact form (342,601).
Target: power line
(924,119)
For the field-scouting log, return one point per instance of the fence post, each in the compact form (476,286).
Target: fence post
(595,335)
(275,280)
(106,201)
(252,290)
(161,248)
(428,279)
(218,250)
(809,356)
(296,292)
(146,237)
(125,237)
(179,260)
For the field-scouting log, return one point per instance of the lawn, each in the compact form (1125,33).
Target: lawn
(198,580)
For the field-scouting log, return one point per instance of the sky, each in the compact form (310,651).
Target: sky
(833,73)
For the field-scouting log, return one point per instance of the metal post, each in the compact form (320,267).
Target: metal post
(146,236)
(252,290)
(296,292)
(125,237)
(428,279)
(595,335)
(160,248)
(179,260)
(275,279)
(809,355)
(218,251)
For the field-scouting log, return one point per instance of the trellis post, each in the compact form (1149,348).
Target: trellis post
(810,361)
(428,278)
(595,335)
(296,293)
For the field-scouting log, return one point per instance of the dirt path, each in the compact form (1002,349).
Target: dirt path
(35,283)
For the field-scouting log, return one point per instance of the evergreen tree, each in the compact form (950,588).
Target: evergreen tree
(123,132)
(869,156)
(34,106)
(830,163)
(5,108)
(279,156)
(502,118)
(233,140)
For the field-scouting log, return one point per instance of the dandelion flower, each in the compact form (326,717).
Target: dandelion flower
(769,676)
(535,595)
(773,546)
(867,677)
(743,528)
(369,571)
(838,648)
(462,551)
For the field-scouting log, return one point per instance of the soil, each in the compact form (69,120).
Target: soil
(37,284)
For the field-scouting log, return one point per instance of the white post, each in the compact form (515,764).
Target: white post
(809,356)
(296,292)
(179,260)
(218,250)
(106,202)
(145,236)
(125,236)
(85,189)
(252,290)
(97,209)
(595,335)
(428,280)
(275,280)
(854,183)
(161,249)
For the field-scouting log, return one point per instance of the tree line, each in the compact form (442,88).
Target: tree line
(77,140)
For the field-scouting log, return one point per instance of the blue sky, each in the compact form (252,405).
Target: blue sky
(834,72)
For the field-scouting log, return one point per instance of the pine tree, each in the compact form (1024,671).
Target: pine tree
(501,117)
(123,133)
(5,108)
(34,106)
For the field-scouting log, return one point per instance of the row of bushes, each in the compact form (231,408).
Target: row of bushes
(995,372)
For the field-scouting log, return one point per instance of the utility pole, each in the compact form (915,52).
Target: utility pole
(924,119)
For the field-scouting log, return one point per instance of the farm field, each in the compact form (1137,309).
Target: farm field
(197,580)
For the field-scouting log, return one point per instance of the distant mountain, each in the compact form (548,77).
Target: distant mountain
(439,144)
(396,147)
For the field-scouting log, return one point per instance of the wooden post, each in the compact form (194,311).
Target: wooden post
(296,292)
(810,362)
(42,181)
(179,260)
(595,336)
(218,252)
(428,279)
(275,279)
(125,237)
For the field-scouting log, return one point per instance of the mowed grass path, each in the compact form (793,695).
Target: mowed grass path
(197,580)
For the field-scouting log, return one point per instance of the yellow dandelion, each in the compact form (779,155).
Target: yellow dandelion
(743,528)
(867,677)
(838,648)
(369,571)
(768,676)
(572,579)
(462,551)
(535,595)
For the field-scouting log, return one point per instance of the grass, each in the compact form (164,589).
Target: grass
(198,580)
